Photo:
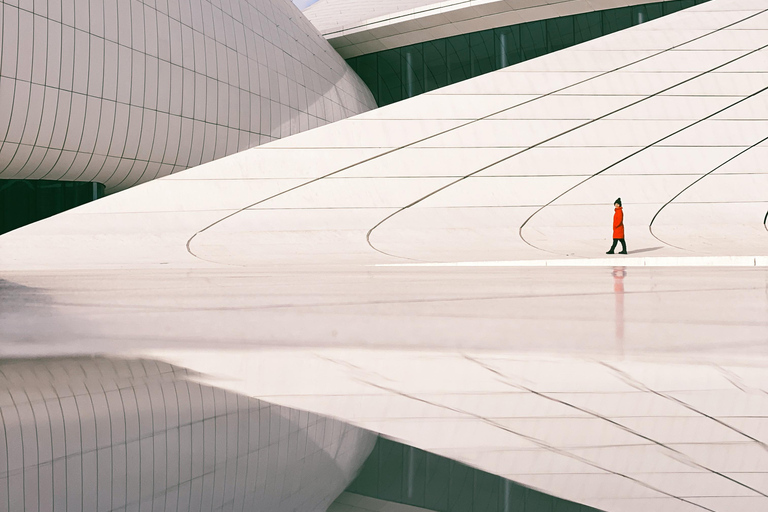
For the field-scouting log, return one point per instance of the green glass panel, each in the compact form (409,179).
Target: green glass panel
(23,202)
(560,33)
(482,50)
(587,26)
(643,13)
(461,488)
(533,39)
(507,46)
(538,502)
(512,497)
(435,64)
(458,58)
(390,77)
(412,70)
(486,493)
(415,476)
(437,481)
(368,71)
(671,7)
(617,19)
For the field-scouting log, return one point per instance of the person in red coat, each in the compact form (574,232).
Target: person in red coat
(618,228)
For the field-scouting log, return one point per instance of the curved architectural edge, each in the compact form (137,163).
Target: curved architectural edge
(120,93)
(352,31)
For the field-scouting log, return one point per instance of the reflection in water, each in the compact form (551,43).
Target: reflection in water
(103,435)
(619,273)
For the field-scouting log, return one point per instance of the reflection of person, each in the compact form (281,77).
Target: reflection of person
(618,228)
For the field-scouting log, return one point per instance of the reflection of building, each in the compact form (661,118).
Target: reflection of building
(422,271)
(98,434)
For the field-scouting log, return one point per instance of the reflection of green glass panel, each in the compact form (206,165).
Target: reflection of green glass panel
(367,482)
(587,26)
(436,483)
(412,70)
(435,65)
(438,477)
(482,52)
(458,57)
(507,46)
(391,471)
(390,79)
(560,33)
(533,39)
(617,19)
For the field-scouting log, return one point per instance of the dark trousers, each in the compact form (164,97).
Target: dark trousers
(623,244)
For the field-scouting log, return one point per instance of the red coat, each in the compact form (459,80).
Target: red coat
(618,223)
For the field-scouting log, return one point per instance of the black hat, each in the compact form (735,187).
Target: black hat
(617,201)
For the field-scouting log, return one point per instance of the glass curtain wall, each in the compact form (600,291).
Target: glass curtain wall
(393,75)
(25,201)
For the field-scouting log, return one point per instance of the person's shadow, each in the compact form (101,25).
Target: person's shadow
(646,249)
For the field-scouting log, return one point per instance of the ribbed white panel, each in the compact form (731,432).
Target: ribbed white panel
(122,92)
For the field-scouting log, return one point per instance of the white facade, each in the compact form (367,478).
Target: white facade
(394,270)
(122,92)
(356,28)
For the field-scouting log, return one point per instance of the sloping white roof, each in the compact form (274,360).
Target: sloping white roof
(395,269)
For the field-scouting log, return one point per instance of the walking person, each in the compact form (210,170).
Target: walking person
(618,228)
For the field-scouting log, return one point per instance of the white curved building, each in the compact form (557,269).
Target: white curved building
(124,92)
(434,271)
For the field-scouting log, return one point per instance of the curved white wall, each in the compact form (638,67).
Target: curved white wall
(121,92)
